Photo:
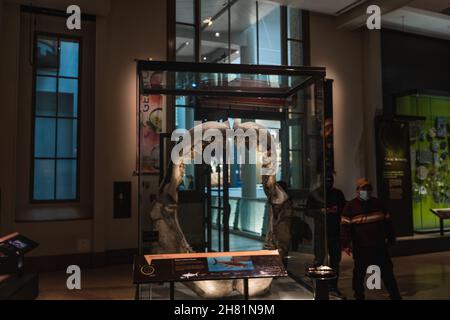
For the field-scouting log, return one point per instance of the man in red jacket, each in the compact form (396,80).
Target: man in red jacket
(366,233)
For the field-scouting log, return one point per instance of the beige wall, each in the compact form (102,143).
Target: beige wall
(127,32)
(344,53)
(133,32)
(124,33)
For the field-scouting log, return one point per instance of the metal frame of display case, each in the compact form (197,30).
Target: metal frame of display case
(304,77)
(316,73)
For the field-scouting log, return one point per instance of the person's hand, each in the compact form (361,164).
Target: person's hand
(348,251)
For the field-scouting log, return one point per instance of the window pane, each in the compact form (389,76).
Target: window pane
(185,43)
(67,138)
(44,138)
(243,33)
(185,11)
(295,137)
(45,96)
(44,179)
(214,35)
(294,23)
(47,56)
(184,118)
(269,34)
(295,53)
(66,179)
(295,169)
(69,59)
(68,98)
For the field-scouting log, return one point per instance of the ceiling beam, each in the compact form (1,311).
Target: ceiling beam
(357,17)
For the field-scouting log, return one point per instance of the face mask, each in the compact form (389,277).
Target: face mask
(364,195)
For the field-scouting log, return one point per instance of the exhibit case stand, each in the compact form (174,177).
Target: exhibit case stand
(209,205)
(15,284)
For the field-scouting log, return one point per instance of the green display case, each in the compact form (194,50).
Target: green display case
(429,121)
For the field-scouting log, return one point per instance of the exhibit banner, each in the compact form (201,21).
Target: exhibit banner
(150,117)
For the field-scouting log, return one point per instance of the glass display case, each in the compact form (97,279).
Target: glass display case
(428,115)
(224,205)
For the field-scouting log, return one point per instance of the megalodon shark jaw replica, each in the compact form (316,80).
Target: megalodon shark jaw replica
(164,214)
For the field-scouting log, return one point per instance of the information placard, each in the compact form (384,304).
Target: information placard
(208,266)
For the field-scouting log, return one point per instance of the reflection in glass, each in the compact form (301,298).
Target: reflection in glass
(66,178)
(44,179)
(67,138)
(45,104)
(296,178)
(295,53)
(294,23)
(214,32)
(69,59)
(243,33)
(185,11)
(269,33)
(185,43)
(46,56)
(234,81)
(68,97)
(44,138)
(295,137)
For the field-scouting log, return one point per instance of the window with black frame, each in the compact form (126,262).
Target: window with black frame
(56,119)
(239,31)
(247,32)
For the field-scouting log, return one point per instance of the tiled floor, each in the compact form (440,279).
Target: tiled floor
(282,289)
(115,283)
(424,276)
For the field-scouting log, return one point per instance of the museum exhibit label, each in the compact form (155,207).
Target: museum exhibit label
(208,266)
(394,174)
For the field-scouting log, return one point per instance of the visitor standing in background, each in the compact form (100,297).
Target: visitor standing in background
(367,233)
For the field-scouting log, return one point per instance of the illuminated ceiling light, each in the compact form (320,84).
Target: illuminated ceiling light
(217,34)
(204,58)
(237,51)
(187,43)
(208,21)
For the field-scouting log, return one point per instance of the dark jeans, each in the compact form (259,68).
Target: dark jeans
(334,252)
(363,258)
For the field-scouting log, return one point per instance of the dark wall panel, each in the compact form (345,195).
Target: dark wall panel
(413,62)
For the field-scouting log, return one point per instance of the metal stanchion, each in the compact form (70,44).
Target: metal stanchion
(321,277)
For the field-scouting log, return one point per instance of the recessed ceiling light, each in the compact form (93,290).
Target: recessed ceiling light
(187,43)
(208,21)
(204,58)
(217,34)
